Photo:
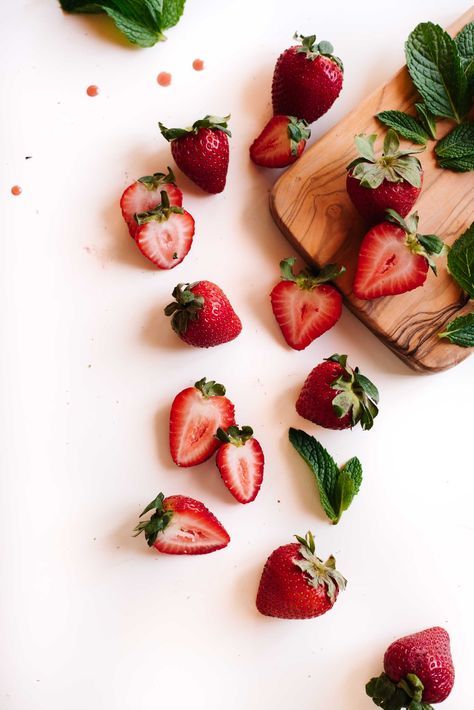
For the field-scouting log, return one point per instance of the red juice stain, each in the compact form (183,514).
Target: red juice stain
(164,78)
(92,90)
(16,190)
(198,64)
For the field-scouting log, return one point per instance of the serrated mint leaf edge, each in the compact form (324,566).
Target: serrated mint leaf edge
(316,456)
(460,331)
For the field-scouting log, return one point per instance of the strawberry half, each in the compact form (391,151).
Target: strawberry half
(145,194)
(296,584)
(182,526)
(280,143)
(164,234)
(240,462)
(196,414)
(394,258)
(305,306)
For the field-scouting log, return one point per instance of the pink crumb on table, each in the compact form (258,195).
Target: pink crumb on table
(164,78)
(198,64)
(92,90)
(16,190)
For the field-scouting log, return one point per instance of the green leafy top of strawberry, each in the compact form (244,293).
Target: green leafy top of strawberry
(216,123)
(408,693)
(160,213)
(393,165)
(210,388)
(297,131)
(357,394)
(152,182)
(318,572)
(157,523)
(307,279)
(314,49)
(427,245)
(234,435)
(185,307)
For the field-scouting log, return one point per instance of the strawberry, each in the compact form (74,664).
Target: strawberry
(202,315)
(280,143)
(240,462)
(165,233)
(337,397)
(295,584)
(182,526)
(196,413)
(393,258)
(145,194)
(418,670)
(394,180)
(202,151)
(305,306)
(307,79)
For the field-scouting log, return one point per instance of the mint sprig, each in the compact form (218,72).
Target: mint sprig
(456,150)
(405,125)
(337,486)
(460,331)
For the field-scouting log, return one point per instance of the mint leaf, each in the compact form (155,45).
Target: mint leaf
(456,150)
(348,484)
(427,119)
(460,331)
(461,261)
(435,68)
(171,13)
(465,44)
(404,125)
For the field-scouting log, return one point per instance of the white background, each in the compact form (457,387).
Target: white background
(90,618)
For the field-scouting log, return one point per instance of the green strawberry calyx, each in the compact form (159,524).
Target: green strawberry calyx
(234,435)
(427,245)
(210,388)
(314,49)
(408,693)
(185,308)
(160,213)
(318,572)
(152,182)
(393,165)
(215,123)
(356,395)
(306,279)
(157,522)
(297,131)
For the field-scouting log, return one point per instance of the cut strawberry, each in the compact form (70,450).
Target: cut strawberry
(305,306)
(393,258)
(145,194)
(196,414)
(280,143)
(240,462)
(182,526)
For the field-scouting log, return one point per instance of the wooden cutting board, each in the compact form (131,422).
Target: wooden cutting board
(310,204)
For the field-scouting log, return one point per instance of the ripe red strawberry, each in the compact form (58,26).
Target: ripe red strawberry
(393,258)
(240,462)
(202,315)
(165,233)
(202,151)
(296,584)
(145,194)
(418,670)
(280,143)
(337,397)
(392,181)
(182,526)
(305,306)
(307,79)
(196,414)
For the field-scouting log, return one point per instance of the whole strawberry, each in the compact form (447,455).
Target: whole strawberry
(337,397)
(280,143)
(418,670)
(202,315)
(202,151)
(393,180)
(307,79)
(295,584)
(146,193)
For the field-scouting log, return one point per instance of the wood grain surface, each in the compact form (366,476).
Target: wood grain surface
(310,204)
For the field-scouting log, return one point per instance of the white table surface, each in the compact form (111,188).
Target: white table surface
(90,618)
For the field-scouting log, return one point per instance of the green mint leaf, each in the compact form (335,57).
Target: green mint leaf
(427,119)
(460,331)
(465,44)
(456,150)
(171,13)
(348,485)
(461,261)
(405,125)
(435,68)
(321,464)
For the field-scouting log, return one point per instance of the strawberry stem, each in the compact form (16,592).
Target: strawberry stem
(234,435)
(157,522)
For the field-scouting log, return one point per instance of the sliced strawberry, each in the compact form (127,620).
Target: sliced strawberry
(305,306)
(240,462)
(164,234)
(196,414)
(280,143)
(182,526)
(145,194)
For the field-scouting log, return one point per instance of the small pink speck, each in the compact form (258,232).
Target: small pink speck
(164,78)
(198,64)
(92,90)
(16,190)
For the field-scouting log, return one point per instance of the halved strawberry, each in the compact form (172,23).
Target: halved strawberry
(280,143)
(240,462)
(182,526)
(196,414)
(393,258)
(145,194)
(305,306)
